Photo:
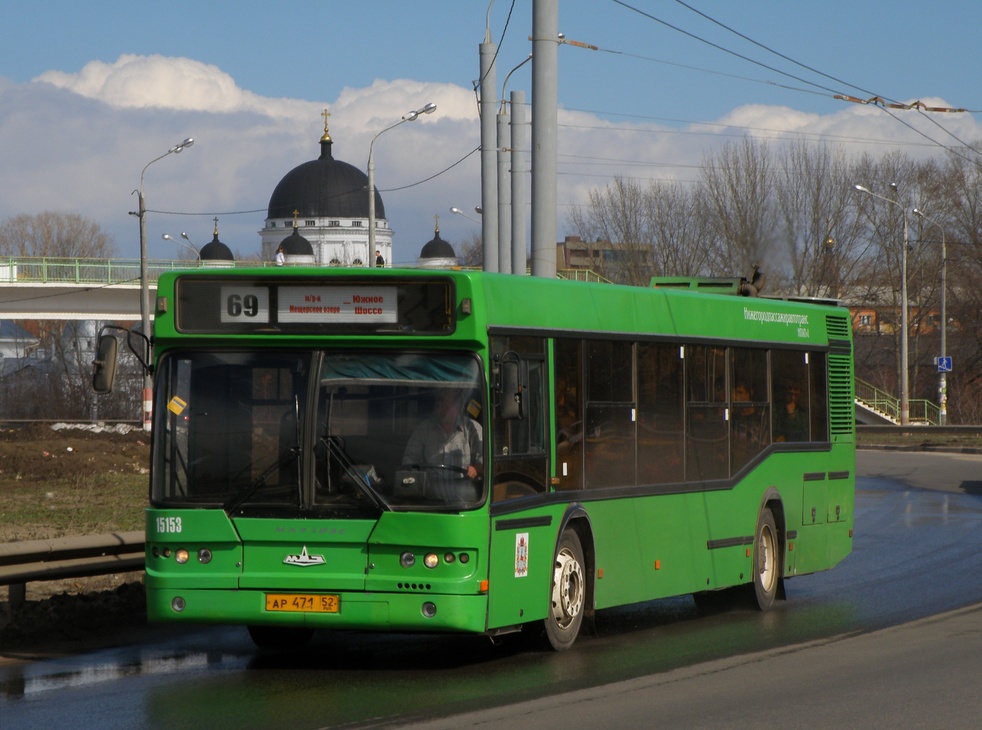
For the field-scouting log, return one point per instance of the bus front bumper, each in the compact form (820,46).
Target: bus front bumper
(355,611)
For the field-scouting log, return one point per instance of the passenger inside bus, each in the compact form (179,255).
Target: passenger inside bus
(790,418)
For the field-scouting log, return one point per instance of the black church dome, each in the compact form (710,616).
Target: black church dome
(296,245)
(215,250)
(437,248)
(323,188)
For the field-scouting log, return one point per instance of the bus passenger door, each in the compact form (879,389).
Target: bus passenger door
(522,540)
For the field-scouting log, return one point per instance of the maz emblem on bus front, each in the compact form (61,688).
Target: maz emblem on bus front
(303,559)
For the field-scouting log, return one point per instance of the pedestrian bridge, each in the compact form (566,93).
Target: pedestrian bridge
(66,288)
(106,289)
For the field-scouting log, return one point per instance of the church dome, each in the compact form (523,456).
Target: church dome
(437,248)
(437,253)
(296,245)
(215,250)
(323,188)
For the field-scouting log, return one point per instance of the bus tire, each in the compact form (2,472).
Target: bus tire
(767,561)
(568,593)
(280,638)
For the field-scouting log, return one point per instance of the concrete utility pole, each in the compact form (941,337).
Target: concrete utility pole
(504,194)
(519,120)
(489,188)
(545,94)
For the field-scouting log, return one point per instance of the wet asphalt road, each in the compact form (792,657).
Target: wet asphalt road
(918,553)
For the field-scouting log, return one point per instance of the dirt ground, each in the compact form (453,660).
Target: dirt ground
(59,482)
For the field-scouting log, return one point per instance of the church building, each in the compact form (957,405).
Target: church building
(318,213)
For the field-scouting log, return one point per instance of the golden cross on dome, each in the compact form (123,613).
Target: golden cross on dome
(436,223)
(295,223)
(327,135)
(216,225)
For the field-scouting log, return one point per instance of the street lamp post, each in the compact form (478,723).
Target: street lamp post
(943,376)
(904,382)
(458,211)
(144,284)
(408,117)
(188,245)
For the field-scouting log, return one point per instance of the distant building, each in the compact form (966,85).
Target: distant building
(15,341)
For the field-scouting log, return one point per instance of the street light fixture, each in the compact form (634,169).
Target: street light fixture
(904,382)
(144,284)
(407,117)
(187,243)
(943,376)
(458,211)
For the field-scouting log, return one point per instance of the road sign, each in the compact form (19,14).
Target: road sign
(943,363)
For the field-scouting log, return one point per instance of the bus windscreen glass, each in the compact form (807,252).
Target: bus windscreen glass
(277,432)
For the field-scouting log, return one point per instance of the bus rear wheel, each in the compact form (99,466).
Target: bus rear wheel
(568,595)
(767,561)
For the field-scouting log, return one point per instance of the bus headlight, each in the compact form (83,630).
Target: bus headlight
(204,556)
(181,556)
(431,560)
(407,560)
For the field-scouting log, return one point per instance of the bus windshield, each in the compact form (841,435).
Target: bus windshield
(319,432)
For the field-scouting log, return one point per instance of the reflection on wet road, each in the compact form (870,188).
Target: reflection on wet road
(917,552)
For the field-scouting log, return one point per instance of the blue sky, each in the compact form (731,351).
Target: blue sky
(90,92)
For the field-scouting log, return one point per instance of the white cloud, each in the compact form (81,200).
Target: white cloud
(141,82)
(78,142)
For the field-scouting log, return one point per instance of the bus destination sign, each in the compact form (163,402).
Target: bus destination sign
(336,304)
(207,305)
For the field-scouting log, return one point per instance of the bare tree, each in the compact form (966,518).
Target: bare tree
(820,230)
(54,234)
(470,251)
(739,197)
(54,381)
(684,244)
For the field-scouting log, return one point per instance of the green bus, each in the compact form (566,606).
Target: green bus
(457,451)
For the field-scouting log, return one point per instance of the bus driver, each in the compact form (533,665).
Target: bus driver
(451,440)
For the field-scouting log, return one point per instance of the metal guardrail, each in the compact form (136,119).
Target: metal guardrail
(68,557)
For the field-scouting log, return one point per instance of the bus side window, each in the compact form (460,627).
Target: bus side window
(519,458)
(818,396)
(789,394)
(568,359)
(660,434)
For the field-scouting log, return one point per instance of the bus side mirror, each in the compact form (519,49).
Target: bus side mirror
(511,403)
(104,365)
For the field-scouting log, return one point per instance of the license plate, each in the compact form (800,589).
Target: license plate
(317,603)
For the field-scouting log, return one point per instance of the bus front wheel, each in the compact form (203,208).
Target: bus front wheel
(568,596)
(767,561)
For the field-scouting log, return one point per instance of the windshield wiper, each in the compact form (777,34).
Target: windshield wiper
(260,481)
(360,480)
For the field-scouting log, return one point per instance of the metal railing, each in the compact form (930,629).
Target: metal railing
(55,270)
(886,405)
(68,557)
